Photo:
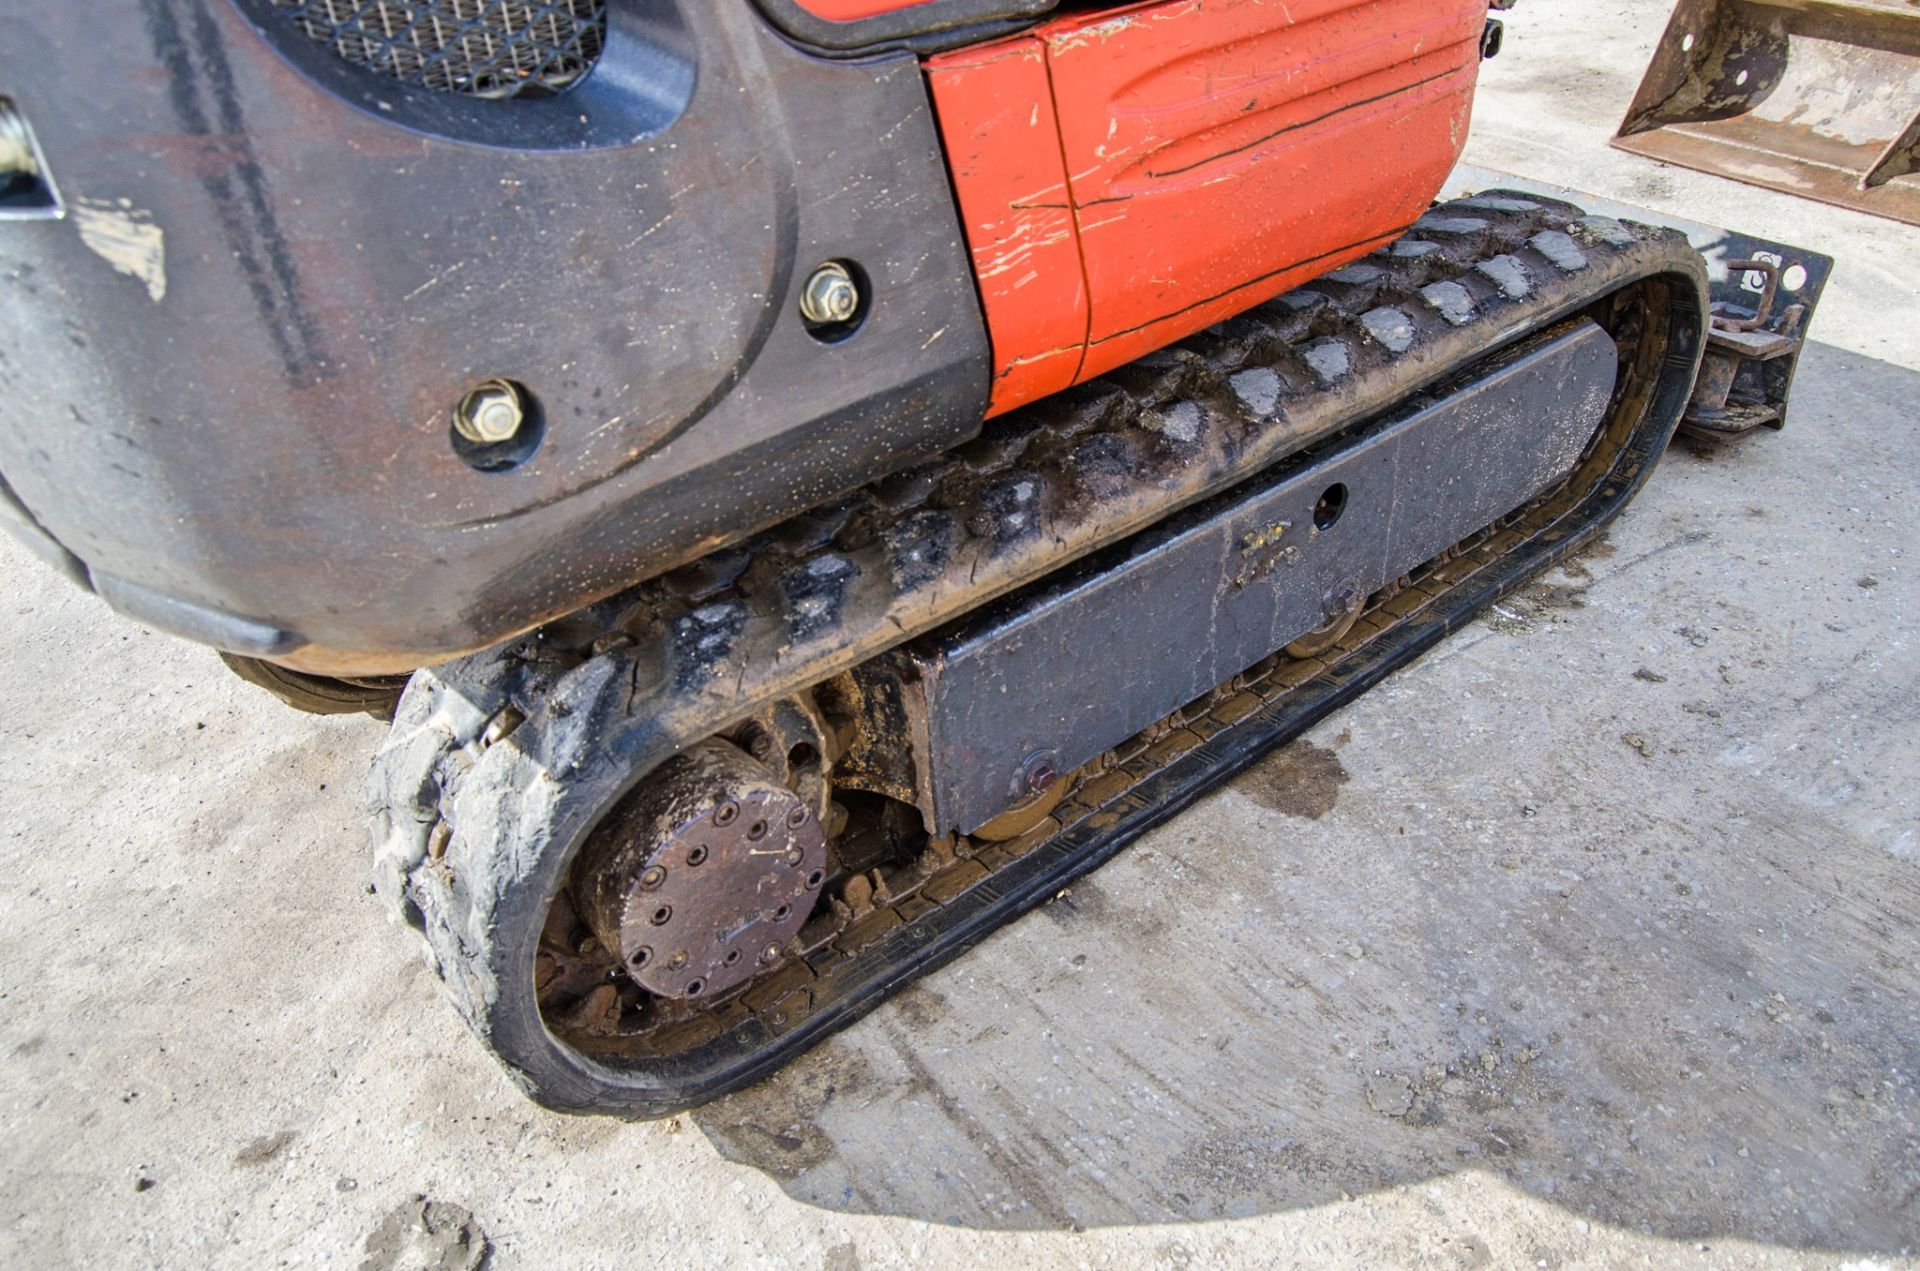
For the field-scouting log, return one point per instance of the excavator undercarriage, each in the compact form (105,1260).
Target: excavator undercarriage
(981,678)
(808,479)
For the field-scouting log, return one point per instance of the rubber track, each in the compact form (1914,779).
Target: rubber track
(473,836)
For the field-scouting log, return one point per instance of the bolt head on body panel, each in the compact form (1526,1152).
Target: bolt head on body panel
(490,413)
(831,296)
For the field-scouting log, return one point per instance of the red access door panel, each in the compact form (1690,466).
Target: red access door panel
(1212,154)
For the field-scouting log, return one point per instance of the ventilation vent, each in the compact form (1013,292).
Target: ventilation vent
(479,48)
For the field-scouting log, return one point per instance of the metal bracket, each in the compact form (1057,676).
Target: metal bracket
(1752,352)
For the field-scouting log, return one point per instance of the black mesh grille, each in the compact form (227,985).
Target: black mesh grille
(482,48)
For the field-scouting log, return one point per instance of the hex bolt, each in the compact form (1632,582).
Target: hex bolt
(1035,775)
(1341,603)
(490,413)
(831,296)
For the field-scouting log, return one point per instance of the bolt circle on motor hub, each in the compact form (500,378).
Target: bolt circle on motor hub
(699,880)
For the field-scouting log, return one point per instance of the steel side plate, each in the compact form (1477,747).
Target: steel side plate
(1057,674)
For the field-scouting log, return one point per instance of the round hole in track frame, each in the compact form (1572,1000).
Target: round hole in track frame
(1331,505)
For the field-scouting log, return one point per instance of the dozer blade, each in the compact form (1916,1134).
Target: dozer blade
(1819,98)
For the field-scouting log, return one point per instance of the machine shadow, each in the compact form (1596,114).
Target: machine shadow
(1666,999)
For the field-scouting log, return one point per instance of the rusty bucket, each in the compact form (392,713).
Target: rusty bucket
(1819,98)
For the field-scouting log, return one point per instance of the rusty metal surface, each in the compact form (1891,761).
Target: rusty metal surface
(689,657)
(1748,371)
(1819,98)
(701,878)
(1079,664)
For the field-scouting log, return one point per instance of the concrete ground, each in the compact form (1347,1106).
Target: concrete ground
(1588,941)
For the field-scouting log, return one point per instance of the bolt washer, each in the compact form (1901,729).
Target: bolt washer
(490,413)
(830,296)
(700,871)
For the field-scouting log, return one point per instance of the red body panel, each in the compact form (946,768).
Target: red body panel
(997,120)
(1214,154)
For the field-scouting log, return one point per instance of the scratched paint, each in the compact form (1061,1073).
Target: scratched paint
(1192,160)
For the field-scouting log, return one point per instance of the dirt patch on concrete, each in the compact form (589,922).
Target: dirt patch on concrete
(1082,902)
(774,1126)
(264,1149)
(1534,606)
(1300,780)
(921,1006)
(427,1235)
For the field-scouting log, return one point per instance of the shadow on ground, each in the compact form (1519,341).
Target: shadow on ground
(1628,923)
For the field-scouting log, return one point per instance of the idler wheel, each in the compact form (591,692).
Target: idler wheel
(703,874)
